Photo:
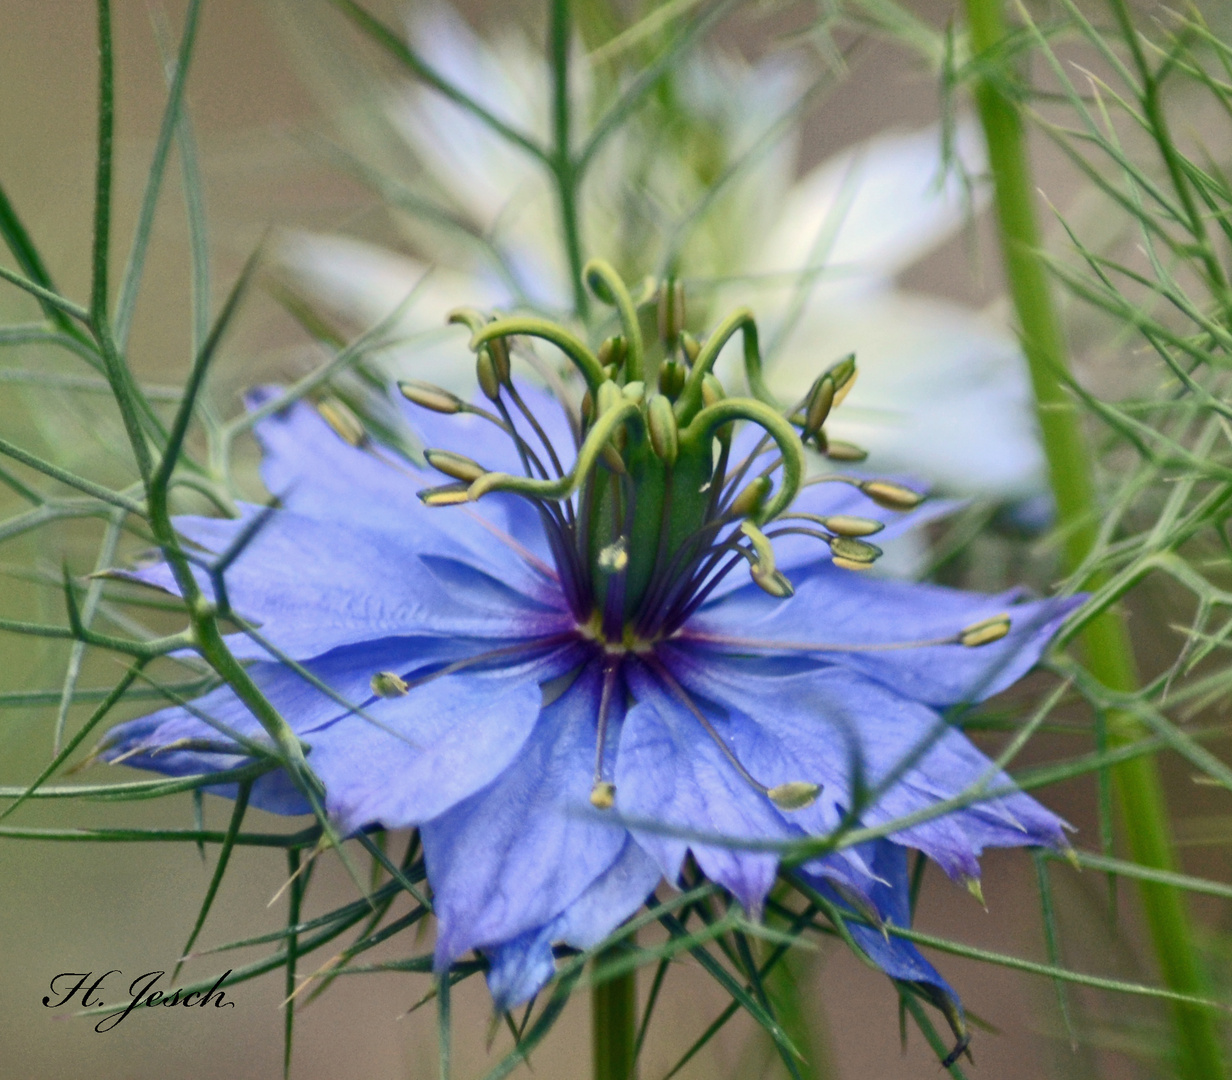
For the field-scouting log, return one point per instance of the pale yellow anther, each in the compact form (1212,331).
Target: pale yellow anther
(857,551)
(890,495)
(634,391)
(985,631)
(455,465)
(615,557)
(845,525)
(850,564)
(427,396)
(664,434)
(603,795)
(445,495)
(346,424)
(388,684)
(794,795)
(844,451)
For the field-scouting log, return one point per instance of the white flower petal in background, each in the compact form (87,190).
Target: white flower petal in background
(942,393)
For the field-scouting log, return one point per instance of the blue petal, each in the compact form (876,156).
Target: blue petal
(515,854)
(832,723)
(313,585)
(670,772)
(890,895)
(410,759)
(839,607)
(521,967)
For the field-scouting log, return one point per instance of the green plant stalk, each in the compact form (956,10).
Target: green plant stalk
(613,1013)
(564,169)
(1106,643)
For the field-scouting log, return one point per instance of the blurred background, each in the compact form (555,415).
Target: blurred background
(257,108)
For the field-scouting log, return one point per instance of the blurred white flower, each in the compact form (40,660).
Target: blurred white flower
(942,393)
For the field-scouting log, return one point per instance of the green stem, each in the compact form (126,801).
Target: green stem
(613,1011)
(564,168)
(1106,641)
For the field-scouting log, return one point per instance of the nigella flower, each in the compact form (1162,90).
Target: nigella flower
(620,635)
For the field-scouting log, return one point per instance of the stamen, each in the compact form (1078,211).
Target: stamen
(793,795)
(347,426)
(445,495)
(971,636)
(603,792)
(454,465)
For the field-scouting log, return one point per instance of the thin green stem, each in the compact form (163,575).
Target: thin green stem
(613,1010)
(1106,641)
(564,169)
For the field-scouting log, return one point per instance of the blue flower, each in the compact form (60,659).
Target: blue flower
(623,635)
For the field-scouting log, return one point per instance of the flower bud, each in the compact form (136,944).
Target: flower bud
(890,495)
(664,435)
(985,631)
(455,465)
(845,525)
(346,424)
(712,390)
(387,684)
(634,391)
(427,396)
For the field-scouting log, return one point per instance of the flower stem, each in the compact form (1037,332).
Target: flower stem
(613,1011)
(1106,643)
(564,168)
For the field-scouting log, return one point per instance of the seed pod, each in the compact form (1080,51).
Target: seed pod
(890,495)
(387,684)
(843,451)
(485,372)
(845,525)
(751,498)
(664,435)
(427,396)
(985,631)
(455,465)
